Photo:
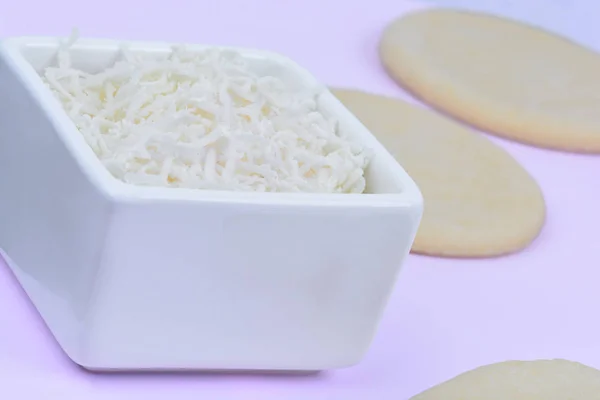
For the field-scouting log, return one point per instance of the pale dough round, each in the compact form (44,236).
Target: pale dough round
(479,202)
(521,380)
(499,75)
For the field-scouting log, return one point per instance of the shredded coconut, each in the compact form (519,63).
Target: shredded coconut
(204,120)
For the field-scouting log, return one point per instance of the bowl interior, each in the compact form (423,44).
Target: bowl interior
(384,175)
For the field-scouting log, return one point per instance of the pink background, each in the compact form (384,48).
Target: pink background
(445,317)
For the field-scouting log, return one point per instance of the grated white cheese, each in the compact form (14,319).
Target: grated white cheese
(206,121)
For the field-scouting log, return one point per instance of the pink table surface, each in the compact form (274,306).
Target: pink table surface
(446,316)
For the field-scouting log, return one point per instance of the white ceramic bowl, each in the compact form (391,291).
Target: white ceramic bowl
(130,277)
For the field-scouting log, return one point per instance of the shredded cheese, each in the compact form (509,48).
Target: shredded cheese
(204,120)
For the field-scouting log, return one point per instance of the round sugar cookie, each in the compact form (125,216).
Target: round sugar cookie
(479,202)
(521,380)
(499,75)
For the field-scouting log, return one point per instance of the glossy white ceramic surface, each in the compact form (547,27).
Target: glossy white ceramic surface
(130,277)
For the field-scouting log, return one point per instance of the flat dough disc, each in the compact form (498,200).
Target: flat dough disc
(499,75)
(521,380)
(479,202)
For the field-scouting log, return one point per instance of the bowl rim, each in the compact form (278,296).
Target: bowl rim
(117,190)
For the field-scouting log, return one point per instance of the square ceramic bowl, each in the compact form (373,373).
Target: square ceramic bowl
(130,277)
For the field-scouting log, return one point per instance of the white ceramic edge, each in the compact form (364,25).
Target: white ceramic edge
(114,189)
